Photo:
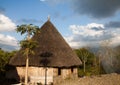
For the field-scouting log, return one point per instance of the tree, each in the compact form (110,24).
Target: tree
(83,54)
(4,59)
(28,44)
(90,62)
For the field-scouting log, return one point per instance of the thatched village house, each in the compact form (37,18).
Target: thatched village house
(53,53)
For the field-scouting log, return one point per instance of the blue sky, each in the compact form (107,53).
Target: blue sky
(81,22)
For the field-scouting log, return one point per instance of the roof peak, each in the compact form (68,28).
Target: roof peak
(48,17)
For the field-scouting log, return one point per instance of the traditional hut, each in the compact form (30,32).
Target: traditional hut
(52,53)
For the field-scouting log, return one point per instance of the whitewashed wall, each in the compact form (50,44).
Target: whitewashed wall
(36,74)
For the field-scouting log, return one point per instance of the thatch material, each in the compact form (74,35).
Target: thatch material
(52,50)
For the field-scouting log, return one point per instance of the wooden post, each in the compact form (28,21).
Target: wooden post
(45,75)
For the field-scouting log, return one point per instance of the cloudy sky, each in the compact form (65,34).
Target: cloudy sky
(81,22)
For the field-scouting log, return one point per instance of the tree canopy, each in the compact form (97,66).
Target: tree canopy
(4,58)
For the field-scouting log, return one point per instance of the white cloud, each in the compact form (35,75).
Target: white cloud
(56,2)
(92,35)
(88,29)
(42,0)
(116,39)
(74,44)
(6,23)
(8,40)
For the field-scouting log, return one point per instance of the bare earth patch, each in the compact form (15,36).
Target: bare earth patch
(108,79)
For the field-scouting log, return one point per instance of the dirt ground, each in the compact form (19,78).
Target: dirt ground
(108,79)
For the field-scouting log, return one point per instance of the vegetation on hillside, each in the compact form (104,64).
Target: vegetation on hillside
(4,59)
(91,65)
(105,60)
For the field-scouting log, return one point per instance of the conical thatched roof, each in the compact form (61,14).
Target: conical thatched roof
(52,50)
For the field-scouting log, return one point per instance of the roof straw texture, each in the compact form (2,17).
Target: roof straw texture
(52,50)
